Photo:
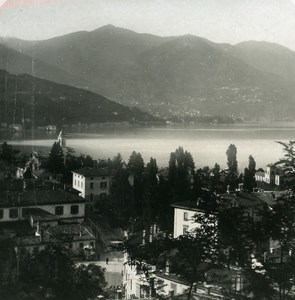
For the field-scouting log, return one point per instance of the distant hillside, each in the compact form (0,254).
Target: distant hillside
(45,102)
(183,75)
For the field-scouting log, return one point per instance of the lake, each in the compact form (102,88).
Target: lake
(207,145)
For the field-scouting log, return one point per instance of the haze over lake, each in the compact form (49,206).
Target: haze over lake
(207,145)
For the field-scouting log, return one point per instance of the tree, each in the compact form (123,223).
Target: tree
(166,213)
(151,188)
(181,169)
(117,162)
(214,180)
(51,271)
(279,226)
(89,281)
(6,152)
(136,167)
(121,199)
(289,157)
(288,164)
(136,164)
(56,159)
(232,163)
(249,175)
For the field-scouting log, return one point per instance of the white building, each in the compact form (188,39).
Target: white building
(94,183)
(184,221)
(36,218)
(18,206)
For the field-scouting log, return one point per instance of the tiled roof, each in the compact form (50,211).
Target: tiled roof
(28,240)
(68,233)
(269,197)
(244,199)
(40,197)
(92,172)
(39,214)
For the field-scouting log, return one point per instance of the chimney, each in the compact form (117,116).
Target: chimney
(155,229)
(151,234)
(241,187)
(143,237)
(167,267)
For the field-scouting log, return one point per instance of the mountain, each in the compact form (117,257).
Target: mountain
(44,102)
(182,75)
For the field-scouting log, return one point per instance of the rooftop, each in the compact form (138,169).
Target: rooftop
(244,199)
(189,205)
(39,214)
(92,172)
(39,197)
(68,233)
(269,197)
(260,173)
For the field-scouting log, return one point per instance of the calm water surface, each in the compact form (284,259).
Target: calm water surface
(207,145)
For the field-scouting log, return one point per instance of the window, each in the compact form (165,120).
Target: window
(103,185)
(75,182)
(91,178)
(81,245)
(185,229)
(102,196)
(78,183)
(91,197)
(103,178)
(13,213)
(91,244)
(91,185)
(185,216)
(81,184)
(59,210)
(1,213)
(25,212)
(74,209)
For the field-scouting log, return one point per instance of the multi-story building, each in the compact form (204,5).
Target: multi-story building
(36,218)
(184,221)
(93,183)
(17,206)
(275,176)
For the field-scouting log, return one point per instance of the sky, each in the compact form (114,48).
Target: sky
(221,21)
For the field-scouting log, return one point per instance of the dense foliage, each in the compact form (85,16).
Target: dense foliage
(48,274)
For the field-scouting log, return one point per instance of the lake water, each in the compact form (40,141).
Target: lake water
(207,145)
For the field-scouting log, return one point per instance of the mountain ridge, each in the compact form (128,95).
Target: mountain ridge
(44,102)
(180,75)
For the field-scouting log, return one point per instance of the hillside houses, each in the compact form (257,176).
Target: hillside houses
(274,177)
(35,218)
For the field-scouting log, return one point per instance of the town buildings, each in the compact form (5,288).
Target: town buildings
(35,218)
(275,176)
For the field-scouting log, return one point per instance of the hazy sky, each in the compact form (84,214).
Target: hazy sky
(218,20)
